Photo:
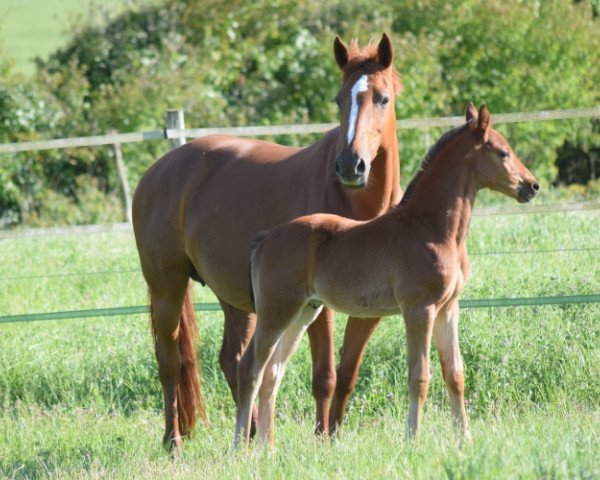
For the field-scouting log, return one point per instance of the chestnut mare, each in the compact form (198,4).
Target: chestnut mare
(413,259)
(197,209)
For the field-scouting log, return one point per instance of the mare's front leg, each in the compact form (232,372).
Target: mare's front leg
(419,325)
(320,334)
(275,370)
(357,335)
(239,327)
(445,333)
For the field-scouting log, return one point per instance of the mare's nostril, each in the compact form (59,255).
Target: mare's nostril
(360,168)
(535,186)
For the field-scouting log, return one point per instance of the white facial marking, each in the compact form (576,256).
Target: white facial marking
(362,85)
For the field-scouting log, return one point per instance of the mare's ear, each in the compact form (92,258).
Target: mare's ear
(341,52)
(385,52)
(470,112)
(484,122)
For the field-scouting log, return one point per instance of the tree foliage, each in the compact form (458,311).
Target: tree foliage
(269,62)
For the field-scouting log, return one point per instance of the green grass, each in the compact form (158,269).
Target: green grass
(80,398)
(35,28)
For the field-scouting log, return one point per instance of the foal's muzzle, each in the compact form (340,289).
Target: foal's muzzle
(527,190)
(352,169)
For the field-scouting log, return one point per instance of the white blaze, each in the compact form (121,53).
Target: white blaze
(362,85)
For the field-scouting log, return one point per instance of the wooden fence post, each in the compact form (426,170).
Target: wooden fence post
(122,172)
(175,121)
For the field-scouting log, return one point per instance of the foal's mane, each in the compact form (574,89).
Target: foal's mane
(434,151)
(366,59)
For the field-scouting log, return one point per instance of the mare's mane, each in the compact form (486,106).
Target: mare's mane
(434,151)
(366,59)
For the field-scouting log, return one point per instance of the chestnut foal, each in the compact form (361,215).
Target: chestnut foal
(413,259)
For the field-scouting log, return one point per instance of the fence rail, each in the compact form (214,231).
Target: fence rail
(173,133)
(140,309)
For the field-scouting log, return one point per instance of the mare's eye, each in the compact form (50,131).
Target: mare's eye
(338,101)
(385,100)
(504,154)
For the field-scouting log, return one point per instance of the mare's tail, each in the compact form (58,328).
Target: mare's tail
(190,404)
(189,398)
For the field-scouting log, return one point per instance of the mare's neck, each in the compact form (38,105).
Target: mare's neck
(442,201)
(383,186)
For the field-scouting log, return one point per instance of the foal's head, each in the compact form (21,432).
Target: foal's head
(494,163)
(366,101)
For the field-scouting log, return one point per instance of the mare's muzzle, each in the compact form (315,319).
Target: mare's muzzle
(352,169)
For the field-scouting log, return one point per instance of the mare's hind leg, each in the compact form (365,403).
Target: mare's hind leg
(167,302)
(445,333)
(275,370)
(320,334)
(239,327)
(357,335)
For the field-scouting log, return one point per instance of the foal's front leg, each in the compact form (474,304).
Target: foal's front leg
(445,333)
(419,324)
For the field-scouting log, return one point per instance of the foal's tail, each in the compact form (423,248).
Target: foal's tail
(256,241)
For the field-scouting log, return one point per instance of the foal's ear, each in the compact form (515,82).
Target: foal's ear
(385,52)
(341,52)
(484,122)
(470,112)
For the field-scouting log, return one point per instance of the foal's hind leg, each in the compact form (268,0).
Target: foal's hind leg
(270,327)
(445,333)
(167,301)
(239,327)
(357,335)
(320,334)
(275,370)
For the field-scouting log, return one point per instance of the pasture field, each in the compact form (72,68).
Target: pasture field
(81,398)
(35,28)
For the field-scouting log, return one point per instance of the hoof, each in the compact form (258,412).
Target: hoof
(173,445)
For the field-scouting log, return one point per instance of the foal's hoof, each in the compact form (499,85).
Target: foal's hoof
(466,438)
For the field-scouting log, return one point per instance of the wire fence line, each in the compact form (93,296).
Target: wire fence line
(127,228)
(296,129)
(209,307)
(139,271)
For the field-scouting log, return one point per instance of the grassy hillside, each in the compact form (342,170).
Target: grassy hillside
(32,28)
(81,398)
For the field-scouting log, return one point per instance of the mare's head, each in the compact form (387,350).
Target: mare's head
(493,161)
(366,101)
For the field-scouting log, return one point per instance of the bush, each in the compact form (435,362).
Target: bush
(239,63)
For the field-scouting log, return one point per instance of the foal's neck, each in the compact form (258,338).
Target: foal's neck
(443,199)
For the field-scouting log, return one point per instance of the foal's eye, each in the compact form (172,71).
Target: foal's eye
(504,154)
(385,100)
